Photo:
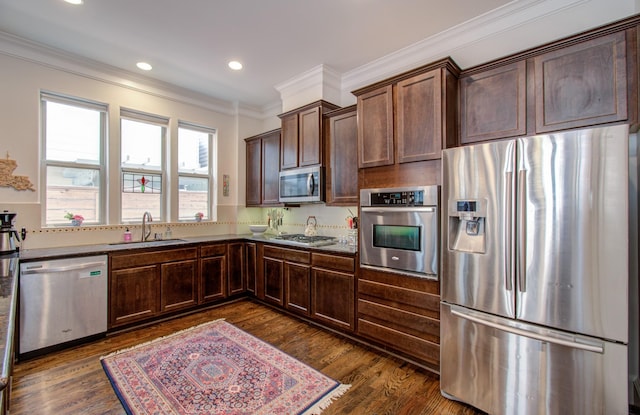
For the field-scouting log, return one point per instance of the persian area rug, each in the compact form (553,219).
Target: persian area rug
(216,368)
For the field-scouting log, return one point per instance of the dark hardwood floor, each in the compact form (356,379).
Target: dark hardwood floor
(72,381)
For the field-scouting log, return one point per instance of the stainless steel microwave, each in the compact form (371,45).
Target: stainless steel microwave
(303,185)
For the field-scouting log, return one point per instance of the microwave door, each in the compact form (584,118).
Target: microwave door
(301,185)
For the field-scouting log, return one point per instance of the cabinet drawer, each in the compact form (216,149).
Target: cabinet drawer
(417,325)
(403,298)
(213,250)
(339,263)
(421,349)
(290,255)
(152,258)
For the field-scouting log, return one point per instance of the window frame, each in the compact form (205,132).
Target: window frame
(212,134)
(101,166)
(163,123)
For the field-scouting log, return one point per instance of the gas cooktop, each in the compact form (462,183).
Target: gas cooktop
(303,240)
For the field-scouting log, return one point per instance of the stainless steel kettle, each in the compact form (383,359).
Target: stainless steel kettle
(8,238)
(8,235)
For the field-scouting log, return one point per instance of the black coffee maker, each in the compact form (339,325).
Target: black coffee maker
(8,235)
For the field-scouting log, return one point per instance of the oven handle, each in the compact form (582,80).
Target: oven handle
(375,209)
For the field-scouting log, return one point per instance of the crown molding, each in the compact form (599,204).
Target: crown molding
(320,82)
(37,53)
(496,22)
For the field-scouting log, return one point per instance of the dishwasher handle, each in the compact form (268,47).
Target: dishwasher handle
(41,269)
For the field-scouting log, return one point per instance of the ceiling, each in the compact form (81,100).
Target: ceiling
(190,42)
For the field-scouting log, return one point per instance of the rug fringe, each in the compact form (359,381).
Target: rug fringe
(161,338)
(324,403)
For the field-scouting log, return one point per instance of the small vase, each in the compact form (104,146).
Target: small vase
(76,222)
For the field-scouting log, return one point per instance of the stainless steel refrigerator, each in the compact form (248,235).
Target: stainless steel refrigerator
(534,288)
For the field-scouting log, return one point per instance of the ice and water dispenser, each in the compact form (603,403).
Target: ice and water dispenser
(467,219)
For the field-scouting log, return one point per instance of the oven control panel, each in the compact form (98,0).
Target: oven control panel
(399,198)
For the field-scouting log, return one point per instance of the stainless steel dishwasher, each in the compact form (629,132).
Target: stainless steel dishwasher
(61,301)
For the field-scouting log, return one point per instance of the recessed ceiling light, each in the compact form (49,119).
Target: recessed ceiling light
(144,66)
(235,65)
(76,2)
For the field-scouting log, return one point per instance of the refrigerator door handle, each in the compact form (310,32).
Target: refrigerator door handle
(522,230)
(508,233)
(537,336)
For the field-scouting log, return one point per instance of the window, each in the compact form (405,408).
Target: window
(74,132)
(195,172)
(142,141)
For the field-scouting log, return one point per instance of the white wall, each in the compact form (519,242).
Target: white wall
(20,89)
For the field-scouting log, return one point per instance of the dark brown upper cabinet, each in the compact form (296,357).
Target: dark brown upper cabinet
(584,80)
(302,133)
(493,103)
(263,169)
(375,127)
(408,118)
(341,143)
(583,84)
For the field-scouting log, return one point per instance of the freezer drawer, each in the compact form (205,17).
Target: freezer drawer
(62,300)
(505,372)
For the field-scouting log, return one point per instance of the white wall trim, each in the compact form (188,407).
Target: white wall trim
(319,82)
(445,43)
(40,54)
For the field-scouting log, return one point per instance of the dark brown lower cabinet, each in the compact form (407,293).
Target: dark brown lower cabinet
(213,272)
(286,274)
(401,313)
(144,285)
(297,284)
(178,285)
(332,289)
(134,295)
(236,281)
(273,280)
(251,250)
(312,284)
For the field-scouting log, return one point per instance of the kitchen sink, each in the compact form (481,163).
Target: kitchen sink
(144,244)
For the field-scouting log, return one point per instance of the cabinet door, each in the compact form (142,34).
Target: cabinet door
(297,282)
(134,294)
(493,103)
(213,278)
(289,142)
(581,85)
(235,253)
(333,298)
(342,183)
(254,173)
(375,128)
(273,270)
(419,117)
(178,286)
(250,268)
(310,140)
(271,168)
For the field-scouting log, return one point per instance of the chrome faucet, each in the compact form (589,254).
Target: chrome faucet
(146,217)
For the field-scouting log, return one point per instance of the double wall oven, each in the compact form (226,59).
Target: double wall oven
(400,230)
